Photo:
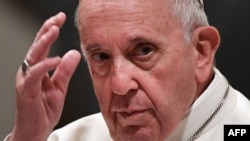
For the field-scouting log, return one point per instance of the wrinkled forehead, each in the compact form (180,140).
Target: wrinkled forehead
(124,4)
(112,10)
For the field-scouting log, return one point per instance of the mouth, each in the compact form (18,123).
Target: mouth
(132,118)
(132,113)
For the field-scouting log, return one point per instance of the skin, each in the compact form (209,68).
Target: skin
(144,74)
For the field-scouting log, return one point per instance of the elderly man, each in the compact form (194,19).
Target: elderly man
(152,67)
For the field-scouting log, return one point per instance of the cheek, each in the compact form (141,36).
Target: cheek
(104,97)
(103,94)
(179,82)
(172,91)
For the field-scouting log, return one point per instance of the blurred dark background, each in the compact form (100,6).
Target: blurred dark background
(231,17)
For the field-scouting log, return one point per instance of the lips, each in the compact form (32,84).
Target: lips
(132,118)
(131,114)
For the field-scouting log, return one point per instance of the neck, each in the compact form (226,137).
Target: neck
(201,87)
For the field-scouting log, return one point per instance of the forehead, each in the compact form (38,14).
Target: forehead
(94,12)
(121,4)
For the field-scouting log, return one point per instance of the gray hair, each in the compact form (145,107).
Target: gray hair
(190,14)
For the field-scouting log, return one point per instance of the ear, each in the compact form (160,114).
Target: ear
(206,41)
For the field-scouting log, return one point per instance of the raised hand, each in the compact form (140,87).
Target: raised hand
(39,97)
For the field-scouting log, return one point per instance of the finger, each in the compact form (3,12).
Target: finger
(35,75)
(48,33)
(64,71)
(41,48)
(57,20)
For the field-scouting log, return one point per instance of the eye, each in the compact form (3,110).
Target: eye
(145,55)
(99,61)
(143,49)
(100,56)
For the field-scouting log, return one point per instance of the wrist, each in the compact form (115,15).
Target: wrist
(27,135)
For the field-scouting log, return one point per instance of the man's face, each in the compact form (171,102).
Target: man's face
(142,70)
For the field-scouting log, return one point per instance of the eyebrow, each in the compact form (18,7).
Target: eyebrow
(92,47)
(144,39)
(137,39)
(133,40)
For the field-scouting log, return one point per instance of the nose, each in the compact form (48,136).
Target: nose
(123,78)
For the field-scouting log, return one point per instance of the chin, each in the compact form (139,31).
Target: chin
(135,133)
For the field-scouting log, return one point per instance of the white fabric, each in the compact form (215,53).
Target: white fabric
(90,128)
(235,110)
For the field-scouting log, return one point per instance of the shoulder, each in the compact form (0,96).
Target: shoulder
(241,108)
(90,128)
(235,111)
